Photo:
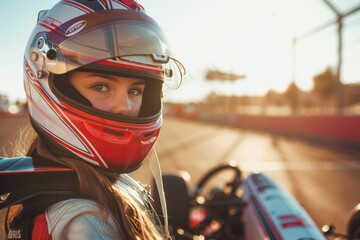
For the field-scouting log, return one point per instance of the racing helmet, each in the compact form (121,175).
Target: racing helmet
(113,37)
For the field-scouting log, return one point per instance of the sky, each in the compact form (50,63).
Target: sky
(247,37)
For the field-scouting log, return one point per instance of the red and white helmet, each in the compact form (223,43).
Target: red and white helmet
(111,36)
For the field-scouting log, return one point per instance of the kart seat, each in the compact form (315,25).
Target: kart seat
(21,179)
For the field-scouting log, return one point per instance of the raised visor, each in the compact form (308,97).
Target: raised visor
(274,214)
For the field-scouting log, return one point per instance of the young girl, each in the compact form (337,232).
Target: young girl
(93,75)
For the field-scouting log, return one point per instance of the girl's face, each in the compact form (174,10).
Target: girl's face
(110,93)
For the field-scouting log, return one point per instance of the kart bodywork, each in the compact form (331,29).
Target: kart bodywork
(274,214)
(250,209)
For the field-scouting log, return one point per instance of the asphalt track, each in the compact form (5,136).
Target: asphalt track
(324,179)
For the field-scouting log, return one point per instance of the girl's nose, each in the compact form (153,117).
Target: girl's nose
(121,104)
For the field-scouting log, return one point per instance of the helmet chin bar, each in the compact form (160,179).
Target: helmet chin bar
(130,145)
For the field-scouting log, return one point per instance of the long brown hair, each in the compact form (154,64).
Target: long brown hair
(133,222)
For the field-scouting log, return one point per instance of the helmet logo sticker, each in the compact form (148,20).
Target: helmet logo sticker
(75,28)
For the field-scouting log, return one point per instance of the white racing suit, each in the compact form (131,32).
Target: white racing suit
(82,219)
(70,217)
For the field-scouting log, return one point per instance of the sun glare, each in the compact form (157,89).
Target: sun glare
(247,37)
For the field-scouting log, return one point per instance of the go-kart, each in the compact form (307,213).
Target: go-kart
(250,209)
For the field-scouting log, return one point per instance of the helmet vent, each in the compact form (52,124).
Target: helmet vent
(149,134)
(116,133)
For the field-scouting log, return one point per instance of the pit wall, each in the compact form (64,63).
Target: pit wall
(331,128)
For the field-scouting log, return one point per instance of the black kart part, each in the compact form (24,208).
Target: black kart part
(226,207)
(329,231)
(21,180)
(234,184)
(353,227)
(354,223)
(223,204)
(177,200)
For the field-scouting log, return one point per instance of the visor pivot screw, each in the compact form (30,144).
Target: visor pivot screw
(51,54)
(169,73)
(34,56)
(40,43)
(39,74)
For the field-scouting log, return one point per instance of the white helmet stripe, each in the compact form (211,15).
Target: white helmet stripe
(61,127)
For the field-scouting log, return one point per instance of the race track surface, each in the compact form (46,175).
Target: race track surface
(323,178)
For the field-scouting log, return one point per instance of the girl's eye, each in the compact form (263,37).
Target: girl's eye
(135,91)
(100,87)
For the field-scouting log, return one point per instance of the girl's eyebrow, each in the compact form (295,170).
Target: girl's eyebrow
(102,75)
(113,78)
(139,82)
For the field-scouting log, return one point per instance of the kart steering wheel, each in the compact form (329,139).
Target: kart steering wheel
(234,184)
(218,203)
(180,202)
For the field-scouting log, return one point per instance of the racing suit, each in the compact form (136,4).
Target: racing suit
(74,219)
(66,217)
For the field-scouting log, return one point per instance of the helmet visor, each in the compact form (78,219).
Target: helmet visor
(129,36)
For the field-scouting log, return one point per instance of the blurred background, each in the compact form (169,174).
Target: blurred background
(273,85)
(274,57)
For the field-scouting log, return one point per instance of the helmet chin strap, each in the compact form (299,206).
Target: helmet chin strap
(156,172)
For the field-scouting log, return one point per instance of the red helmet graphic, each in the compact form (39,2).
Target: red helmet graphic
(113,37)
